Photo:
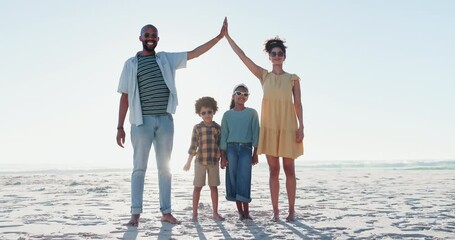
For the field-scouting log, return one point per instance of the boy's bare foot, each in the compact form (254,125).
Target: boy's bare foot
(218,217)
(290,217)
(167,217)
(134,221)
(247,217)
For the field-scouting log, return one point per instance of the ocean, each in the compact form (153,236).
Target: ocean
(396,165)
(300,164)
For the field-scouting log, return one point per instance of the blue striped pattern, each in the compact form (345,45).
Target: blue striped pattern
(154,93)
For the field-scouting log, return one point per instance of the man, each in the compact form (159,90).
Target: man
(147,87)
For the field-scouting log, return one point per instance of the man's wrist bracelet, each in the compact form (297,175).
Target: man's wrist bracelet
(118,128)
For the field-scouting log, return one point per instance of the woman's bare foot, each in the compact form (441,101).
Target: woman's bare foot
(275,217)
(134,221)
(290,217)
(167,217)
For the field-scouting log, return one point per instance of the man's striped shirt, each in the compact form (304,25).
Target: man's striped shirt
(153,92)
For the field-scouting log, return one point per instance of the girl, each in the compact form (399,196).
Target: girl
(281,133)
(239,141)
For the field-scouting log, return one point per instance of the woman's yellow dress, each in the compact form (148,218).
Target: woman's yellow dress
(279,121)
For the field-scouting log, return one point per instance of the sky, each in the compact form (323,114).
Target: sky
(377,77)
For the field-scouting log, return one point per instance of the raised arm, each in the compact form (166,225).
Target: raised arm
(255,69)
(206,46)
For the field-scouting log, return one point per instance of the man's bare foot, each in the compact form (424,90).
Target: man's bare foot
(218,217)
(290,217)
(134,221)
(167,217)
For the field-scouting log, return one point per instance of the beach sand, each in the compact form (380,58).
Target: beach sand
(330,204)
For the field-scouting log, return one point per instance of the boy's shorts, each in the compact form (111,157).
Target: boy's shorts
(200,171)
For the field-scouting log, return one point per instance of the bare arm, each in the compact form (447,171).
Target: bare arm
(255,69)
(123,108)
(298,110)
(206,46)
(224,162)
(187,165)
(254,157)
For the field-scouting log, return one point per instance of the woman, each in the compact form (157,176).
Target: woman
(281,130)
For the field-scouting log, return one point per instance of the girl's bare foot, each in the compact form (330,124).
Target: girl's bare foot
(134,221)
(248,217)
(241,216)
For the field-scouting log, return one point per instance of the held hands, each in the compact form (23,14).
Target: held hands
(223,30)
(254,159)
(224,163)
(225,27)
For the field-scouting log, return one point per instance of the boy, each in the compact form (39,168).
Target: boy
(205,145)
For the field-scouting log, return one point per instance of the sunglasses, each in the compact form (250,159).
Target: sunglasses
(208,112)
(153,35)
(243,94)
(274,54)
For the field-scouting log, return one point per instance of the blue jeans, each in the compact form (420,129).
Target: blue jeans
(158,130)
(238,172)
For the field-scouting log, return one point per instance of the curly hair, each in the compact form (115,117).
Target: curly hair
(275,42)
(207,102)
